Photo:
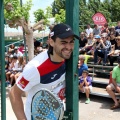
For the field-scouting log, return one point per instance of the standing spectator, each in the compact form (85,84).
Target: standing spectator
(88,30)
(115,85)
(81,65)
(117,28)
(102,49)
(82,42)
(85,85)
(96,30)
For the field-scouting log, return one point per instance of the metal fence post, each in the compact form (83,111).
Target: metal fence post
(72,19)
(2,63)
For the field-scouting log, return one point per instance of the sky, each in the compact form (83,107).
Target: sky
(37,4)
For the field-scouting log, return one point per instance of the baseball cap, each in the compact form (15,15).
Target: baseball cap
(118,59)
(62,31)
(97,36)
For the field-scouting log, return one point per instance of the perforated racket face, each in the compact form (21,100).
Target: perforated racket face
(45,106)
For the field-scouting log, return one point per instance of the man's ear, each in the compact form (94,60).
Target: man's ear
(51,42)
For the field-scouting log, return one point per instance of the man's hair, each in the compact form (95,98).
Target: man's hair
(50,48)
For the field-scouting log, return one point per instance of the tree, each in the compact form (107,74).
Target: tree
(115,10)
(16,15)
(60,18)
(48,12)
(57,5)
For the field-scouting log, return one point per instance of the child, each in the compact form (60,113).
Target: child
(85,85)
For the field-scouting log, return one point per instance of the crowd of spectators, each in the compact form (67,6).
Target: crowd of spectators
(101,43)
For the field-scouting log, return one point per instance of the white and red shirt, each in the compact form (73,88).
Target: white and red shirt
(39,73)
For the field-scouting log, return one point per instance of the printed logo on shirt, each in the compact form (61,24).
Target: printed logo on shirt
(53,76)
(23,82)
(61,93)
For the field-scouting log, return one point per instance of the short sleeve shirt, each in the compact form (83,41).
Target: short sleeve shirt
(116,74)
(39,73)
(89,80)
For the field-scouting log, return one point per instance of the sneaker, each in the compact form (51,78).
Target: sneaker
(87,101)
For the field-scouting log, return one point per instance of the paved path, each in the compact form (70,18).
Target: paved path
(98,109)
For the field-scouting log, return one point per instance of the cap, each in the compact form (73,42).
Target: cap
(16,48)
(62,31)
(118,59)
(104,35)
(85,71)
(97,36)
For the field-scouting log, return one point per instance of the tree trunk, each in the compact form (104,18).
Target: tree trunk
(30,44)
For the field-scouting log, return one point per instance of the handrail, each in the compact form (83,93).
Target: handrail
(14,43)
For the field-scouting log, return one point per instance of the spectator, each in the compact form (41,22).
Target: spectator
(81,65)
(102,49)
(115,52)
(37,46)
(105,29)
(17,52)
(117,28)
(21,48)
(82,42)
(89,44)
(11,48)
(88,30)
(85,85)
(115,85)
(96,30)
(112,30)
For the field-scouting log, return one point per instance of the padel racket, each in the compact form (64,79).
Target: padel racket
(46,105)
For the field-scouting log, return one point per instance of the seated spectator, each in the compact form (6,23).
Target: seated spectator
(112,30)
(11,48)
(96,30)
(85,85)
(21,48)
(89,44)
(105,29)
(115,85)
(37,46)
(115,52)
(21,65)
(102,49)
(117,28)
(81,65)
(17,52)
(82,42)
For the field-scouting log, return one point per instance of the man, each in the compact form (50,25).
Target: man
(44,71)
(85,85)
(115,85)
(82,42)
(102,49)
(81,65)
(96,30)
(17,52)
(88,30)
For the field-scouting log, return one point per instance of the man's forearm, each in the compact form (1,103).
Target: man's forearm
(17,105)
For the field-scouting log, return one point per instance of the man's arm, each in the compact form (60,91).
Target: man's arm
(17,103)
